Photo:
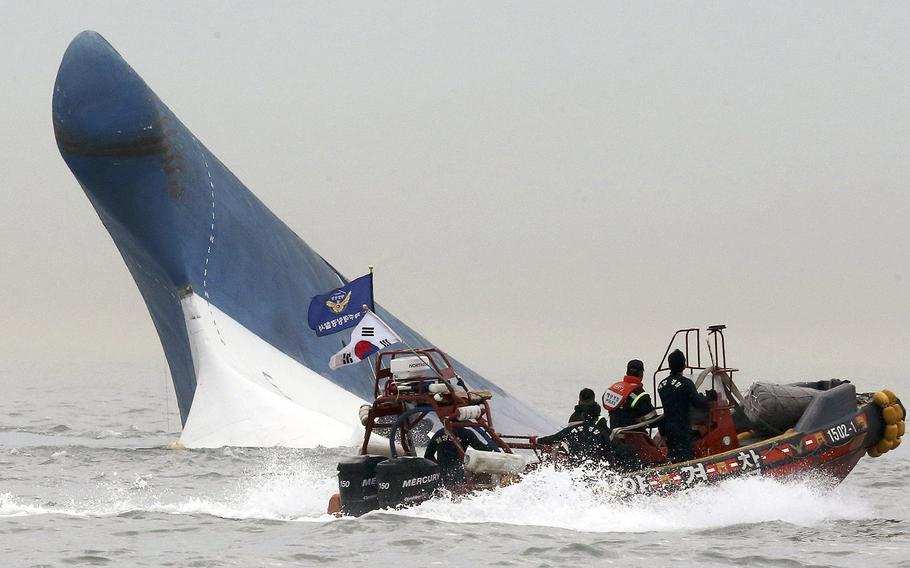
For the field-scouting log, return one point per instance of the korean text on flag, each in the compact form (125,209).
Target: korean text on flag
(342,307)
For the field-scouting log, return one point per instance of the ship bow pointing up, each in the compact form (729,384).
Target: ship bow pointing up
(225,281)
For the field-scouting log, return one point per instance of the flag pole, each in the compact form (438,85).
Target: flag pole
(372,296)
(366,309)
(373,302)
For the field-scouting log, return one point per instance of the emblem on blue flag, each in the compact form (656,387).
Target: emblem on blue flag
(342,307)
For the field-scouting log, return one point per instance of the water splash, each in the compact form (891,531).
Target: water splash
(565,500)
(281,489)
(293,489)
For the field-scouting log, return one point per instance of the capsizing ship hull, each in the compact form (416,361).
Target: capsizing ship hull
(226,282)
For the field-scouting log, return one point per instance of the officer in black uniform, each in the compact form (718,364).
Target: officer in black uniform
(586,441)
(679,396)
(587,405)
(443,451)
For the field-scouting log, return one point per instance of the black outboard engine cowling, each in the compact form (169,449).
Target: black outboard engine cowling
(357,484)
(406,481)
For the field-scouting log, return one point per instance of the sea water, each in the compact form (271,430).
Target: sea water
(86,479)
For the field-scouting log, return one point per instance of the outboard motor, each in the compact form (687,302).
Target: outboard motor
(357,484)
(406,481)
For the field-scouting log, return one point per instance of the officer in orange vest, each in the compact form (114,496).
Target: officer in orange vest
(626,401)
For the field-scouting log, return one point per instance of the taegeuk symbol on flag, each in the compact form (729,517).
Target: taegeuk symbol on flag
(370,335)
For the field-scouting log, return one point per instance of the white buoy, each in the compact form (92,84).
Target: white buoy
(469,412)
(477,461)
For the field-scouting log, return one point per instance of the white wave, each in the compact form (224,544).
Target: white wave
(279,491)
(295,491)
(562,499)
(10,506)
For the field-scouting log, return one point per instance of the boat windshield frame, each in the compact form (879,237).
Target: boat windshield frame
(718,355)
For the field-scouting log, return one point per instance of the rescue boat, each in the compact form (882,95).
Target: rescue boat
(822,429)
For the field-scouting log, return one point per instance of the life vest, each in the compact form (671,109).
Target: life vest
(616,396)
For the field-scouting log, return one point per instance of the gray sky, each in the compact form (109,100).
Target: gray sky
(555,187)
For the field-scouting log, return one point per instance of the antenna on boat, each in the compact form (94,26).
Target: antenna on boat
(713,367)
(710,352)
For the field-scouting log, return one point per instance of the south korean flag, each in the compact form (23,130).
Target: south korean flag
(370,335)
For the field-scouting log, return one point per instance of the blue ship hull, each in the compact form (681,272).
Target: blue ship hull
(200,246)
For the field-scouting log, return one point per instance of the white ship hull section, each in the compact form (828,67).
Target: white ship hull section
(250,394)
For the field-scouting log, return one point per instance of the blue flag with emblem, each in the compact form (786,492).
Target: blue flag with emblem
(342,307)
